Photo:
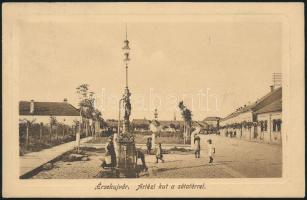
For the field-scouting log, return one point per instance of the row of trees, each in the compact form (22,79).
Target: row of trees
(88,112)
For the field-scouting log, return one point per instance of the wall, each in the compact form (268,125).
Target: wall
(270,136)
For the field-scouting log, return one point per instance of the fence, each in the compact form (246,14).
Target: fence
(35,137)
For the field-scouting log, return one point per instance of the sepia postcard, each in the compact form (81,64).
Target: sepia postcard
(153,100)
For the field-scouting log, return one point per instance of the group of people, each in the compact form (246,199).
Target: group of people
(211,148)
(159,151)
(111,154)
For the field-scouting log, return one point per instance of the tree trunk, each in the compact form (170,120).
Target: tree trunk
(86,129)
(27,136)
(94,130)
(184,128)
(41,132)
(50,133)
(56,133)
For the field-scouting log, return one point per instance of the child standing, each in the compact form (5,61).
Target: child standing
(211,151)
(159,153)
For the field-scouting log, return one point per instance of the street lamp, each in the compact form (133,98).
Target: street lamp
(125,145)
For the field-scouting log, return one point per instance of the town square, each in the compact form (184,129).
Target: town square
(177,138)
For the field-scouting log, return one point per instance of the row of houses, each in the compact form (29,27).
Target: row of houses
(258,121)
(145,125)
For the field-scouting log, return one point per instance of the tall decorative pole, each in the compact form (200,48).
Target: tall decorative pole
(125,145)
(156,114)
(127,94)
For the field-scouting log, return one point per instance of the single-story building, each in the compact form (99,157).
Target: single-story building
(245,121)
(41,112)
(270,120)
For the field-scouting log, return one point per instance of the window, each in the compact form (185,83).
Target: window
(274,125)
(265,125)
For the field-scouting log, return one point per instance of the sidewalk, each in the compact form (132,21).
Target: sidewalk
(33,160)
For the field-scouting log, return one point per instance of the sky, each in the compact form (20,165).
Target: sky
(213,67)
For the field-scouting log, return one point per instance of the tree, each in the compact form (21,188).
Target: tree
(86,104)
(28,124)
(88,111)
(53,122)
(187,118)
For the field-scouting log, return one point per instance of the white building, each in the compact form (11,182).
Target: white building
(270,120)
(245,121)
(41,112)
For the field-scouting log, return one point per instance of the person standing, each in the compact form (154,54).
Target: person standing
(197,146)
(211,150)
(110,152)
(148,144)
(159,153)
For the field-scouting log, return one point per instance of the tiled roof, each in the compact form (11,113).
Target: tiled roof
(276,106)
(259,104)
(268,99)
(48,109)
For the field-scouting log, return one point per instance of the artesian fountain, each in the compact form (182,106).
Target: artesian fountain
(124,140)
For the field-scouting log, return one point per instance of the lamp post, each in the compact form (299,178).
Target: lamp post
(124,142)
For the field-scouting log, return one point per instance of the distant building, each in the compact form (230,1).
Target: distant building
(204,127)
(41,112)
(213,123)
(141,125)
(112,124)
(144,125)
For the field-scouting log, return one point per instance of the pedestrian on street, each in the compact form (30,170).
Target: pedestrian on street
(140,154)
(197,146)
(148,144)
(159,153)
(211,150)
(110,153)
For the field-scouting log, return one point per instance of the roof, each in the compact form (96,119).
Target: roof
(169,122)
(276,106)
(200,124)
(48,109)
(211,119)
(268,99)
(259,104)
(140,122)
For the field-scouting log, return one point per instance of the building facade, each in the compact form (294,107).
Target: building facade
(256,121)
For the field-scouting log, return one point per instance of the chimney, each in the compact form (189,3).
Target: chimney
(272,88)
(65,100)
(32,106)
